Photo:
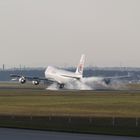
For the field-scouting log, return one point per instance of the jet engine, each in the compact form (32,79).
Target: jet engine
(22,80)
(107,81)
(35,82)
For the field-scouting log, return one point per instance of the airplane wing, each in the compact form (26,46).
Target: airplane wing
(35,80)
(27,77)
(118,77)
(107,80)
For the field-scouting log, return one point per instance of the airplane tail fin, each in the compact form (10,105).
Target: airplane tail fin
(80,68)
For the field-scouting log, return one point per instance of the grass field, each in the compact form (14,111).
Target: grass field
(69,103)
(112,112)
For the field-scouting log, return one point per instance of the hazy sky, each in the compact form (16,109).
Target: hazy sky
(57,32)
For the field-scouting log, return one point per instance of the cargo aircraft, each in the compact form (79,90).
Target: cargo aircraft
(62,77)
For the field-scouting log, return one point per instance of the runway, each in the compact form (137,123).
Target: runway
(10,88)
(16,134)
(17,86)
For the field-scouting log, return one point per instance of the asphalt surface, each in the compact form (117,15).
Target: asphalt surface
(21,134)
(42,87)
(63,90)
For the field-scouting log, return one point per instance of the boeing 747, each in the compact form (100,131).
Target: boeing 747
(62,77)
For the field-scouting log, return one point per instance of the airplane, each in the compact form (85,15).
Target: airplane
(62,77)
(53,74)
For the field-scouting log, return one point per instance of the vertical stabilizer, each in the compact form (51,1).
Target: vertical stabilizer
(80,67)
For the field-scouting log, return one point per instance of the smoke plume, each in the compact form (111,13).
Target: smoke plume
(89,84)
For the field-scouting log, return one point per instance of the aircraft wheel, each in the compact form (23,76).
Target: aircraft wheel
(61,86)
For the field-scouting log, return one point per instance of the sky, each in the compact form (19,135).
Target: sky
(38,33)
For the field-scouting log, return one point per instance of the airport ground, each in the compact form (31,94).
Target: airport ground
(31,100)
(16,134)
(32,107)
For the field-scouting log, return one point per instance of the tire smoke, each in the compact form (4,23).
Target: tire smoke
(89,84)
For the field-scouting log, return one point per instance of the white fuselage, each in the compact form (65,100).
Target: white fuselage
(60,76)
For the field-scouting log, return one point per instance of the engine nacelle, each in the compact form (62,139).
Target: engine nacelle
(22,80)
(36,82)
(107,81)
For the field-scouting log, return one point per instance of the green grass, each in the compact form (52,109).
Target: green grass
(68,103)
(19,104)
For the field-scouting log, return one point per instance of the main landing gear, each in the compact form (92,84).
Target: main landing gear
(61,86)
